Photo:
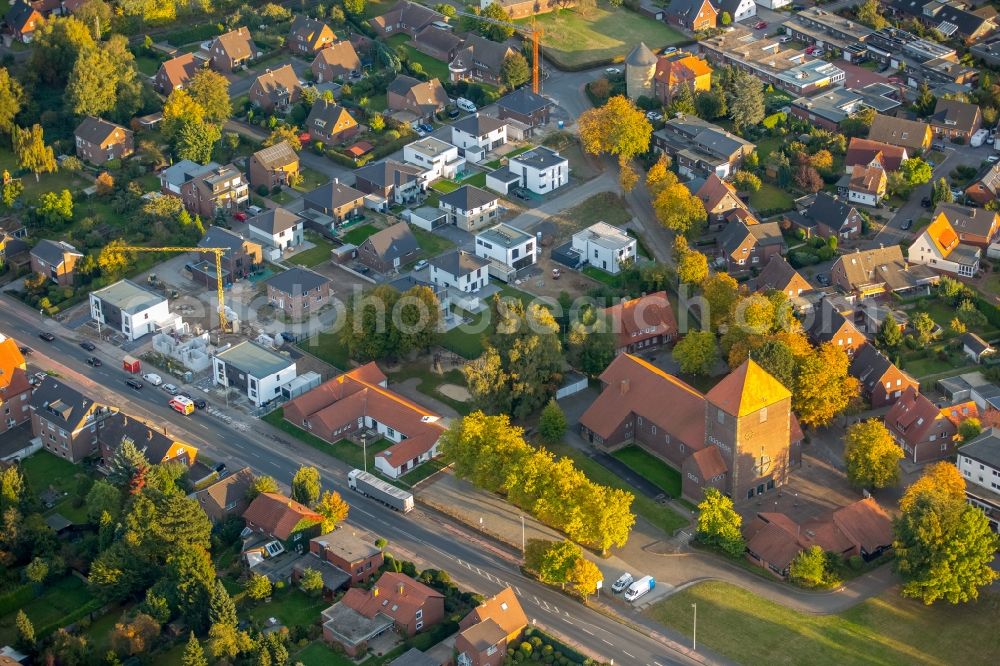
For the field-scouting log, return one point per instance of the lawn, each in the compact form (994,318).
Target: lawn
(428,383)
(311,180)
(359,235)
(291,606)
(44,470)
(430,243)
(328,347)
(432,66)
(344,450)
(467,340)
(58,599)
(445,186)
(495,164)
(652,469)
(771,198)
(595,273)
(768,145)
(148,65)
(314,255)
(605,33)
(282,198)
(883,630)
(320,654)
(476,180)
(640,245)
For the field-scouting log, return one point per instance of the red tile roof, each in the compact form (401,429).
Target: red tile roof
(395,594)
(642,318)
(863,151)
(502,608)
(11,359)
(865,523)
(709,462)
(278,515)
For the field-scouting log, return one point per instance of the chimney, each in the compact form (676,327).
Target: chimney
(623,386)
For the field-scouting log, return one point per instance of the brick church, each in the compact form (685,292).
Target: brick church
(741,437)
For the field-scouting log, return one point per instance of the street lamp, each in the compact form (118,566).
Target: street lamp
(364,449)
(522,534)
(694,636)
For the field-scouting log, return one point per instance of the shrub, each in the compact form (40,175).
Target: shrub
(262,190)
(856,562)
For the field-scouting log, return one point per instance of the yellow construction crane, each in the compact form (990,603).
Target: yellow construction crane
(219,253)
(533,33)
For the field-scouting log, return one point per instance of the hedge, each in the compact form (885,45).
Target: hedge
(16,599)
(70,618)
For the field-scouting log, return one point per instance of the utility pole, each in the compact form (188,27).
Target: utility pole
(694,635)
(522,534)
(364,449)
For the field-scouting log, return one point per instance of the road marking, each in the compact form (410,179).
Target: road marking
(517,591)
(608,642)
(566,621)
(586,631)
(536,600)
(657,663)
(629,654)
(556,607)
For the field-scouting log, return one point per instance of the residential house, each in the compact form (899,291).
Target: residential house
(479,59)
(13,246)
(640,65)
(738,10)
(682,69)
(829,216)
(540,169)
(507,248)
(643,323)
(129,309)
(477,135)
(975,347)
(438,158)
(358,404)
(606,247)
(56,260)
(336,201)
(719,198)
(298,291)
(882,383)
(741,437)
(700,148)
(869,153)
(309,35)
(277,228)
(878,272)
(337,62)
(913,135)
(439,43)
(923,430)
(396,601)
(950,19)
(867,185)
(746,246)
(330,123)
(220,191)
(694,15)
(276,90)
(979,463)
(778,275)
(253,370)
(154,442)
(389,249)
(65,420)
(274,166)
(525,107)
(394,181)
(421,98)
(346,550)
(406,17)
(938,247)
(956,120)
(227,496)
(232,50)
(99,141)
(22,19)
(175,73)
(174,176)
(827,324)
(279,517)
(15,389)
(460,270)
(974,226)
(485,633)
(861,529)
(242,259)
(986,188)
(470,208)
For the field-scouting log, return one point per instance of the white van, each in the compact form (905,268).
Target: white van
(639,588)
(153,378)
(465,105)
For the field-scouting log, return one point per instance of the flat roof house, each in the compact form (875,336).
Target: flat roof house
(278,228)
(129,309)
(460,270)
(540,169)
(606,247)
(438,158)
(389,248)
(55,260)
(99,141)
(346,550)
(979,463)
(253,370)
(470,208)
(507,248)
(642,323)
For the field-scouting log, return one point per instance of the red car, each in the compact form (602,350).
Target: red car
(760,25)
(304,137)
(810,50)
(240,217)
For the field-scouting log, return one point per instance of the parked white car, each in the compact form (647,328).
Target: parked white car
(623,581)
(465,105)
(153,378)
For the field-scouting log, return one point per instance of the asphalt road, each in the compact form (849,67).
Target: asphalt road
(422,535)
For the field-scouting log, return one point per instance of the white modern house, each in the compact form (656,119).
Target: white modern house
(605,246)
(938,247)
(439,158)
(277,228)
(130,309)
(540,170)
(254,370)
(507,248)
(477,135)
(470,208)
(774,4)
(460,270)
(739,10)
(979,463)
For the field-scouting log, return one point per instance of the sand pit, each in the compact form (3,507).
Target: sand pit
(455,392)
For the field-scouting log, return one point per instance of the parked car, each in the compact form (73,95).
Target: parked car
(134,383)
(427,128)
(419,131)
(88,345)
(760,25)
(240,217)
(612,71)
(453,111)
(623,581)
(823,279)
(25,350)
(993,159)
(254,210)
(45,335)
(94,361)
(520,194)
(784,40)
(420,265)
(198,402)
(926,202)
(171,389)
(906,225)
(670,49)
(220,469)
(153,378)
(465,105)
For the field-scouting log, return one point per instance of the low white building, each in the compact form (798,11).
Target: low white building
(774,4)
(253,370)
(439,158)
(507,248)
(938,247)
(426,217)
(605,246)
(130,309)
(477,135)
(540,170)
(460,270)
(470,208)
(979,463)
(277,228)
(739,10)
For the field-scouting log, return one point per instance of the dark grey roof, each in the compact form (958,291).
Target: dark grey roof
(478,124)
(767,233)
(150,441)
(332,195)
(275,220)
(975,343)
(523,101)
(953,113)
(727,6)
(468,197)
(17,16)
(458,263)
(486,53)
(825,321)
(967,220)
(414,657)
(219,237)
(539,157)
(296,280)
(966,22)
(402,84)
(684,8)
(389,172)
(96,130)
(869,365)
(985,448)
(60,403)
(641,56)
(395,242)
(829,210)
(53,252)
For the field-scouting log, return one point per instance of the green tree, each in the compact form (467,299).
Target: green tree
(180,109)
(190,579)
(969,314)
(676,208)
(32,153)
(11,98)
(194,655)
(745,99)
(941,193)
(55,46)
(925,101)
(55,209)
(258,587)
(156,606)
(552,423)
(493,31)
(96,15)
(823,386)
(262,484)
(417,317)
(924,327)
(748,181)
(696,352)
(25,631)
(333,508)
(211,91)
(552,560)
(809,567)
(591,342)
(941,478)
(916,171)
(778,358)
(870,14)
(286,133)
(514,70)
(306,485)
(889,335)
(368,332)
(711,104)
(195,141)
(11,191)
(726,18)
(719,524)
(11,487)
(97,77)
(128,467)
(872,455)
(682,100)
(354,7)
(721,294)
(311,582)
(969,429)
(37,571)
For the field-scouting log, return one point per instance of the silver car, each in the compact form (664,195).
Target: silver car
(623,582)
(171,389)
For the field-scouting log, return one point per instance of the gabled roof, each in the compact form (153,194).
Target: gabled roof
(828,322)
(869,366)
(406,13)
(278,515)
(228,490)
(394,242)
(429,95)
(54,252)
(941,235)
(953,114)
(238,44)
(275,82)
(747,389)
(329,117)
(913,416)
(709,462)
(863,151)
(458,263)
(975,343)
(274,220)
(869,180)
(297,280)
(20,14)
(767,233)
(219,237)
(277,156)
(965,220)
(313,31)
(865,524)
(523,101)
(340,55)
(486,53)
(97,130)
(639,315)
(389,173)
(715,190)
(502,608)
(910,134)
(478,124)
(966,22)
(437,38)
(883,265)
(686,9)
(11,362)
(395,594)
(178,70)
(60,403)
(831,211)
(778,274)
(156,445)
(680,68)
(332,195)
(468,197)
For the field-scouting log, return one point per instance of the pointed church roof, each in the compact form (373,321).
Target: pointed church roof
(746,390)
(641,56)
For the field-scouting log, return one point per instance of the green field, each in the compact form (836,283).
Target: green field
(433,67)
(292,606)
(359,235)
(57,600)
(445,186)
(771,197)
(314,255)
(604,34)
(884,630)
(319,654)
(652,469)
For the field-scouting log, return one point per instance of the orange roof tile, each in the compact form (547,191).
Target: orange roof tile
(11,359)
(278,515)
(942,235)
(503,608)
(747,389)
(642,317)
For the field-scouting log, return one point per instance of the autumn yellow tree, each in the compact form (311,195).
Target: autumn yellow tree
(180,109)
(942,478)
(676,208)
(823,387)
(333,508)
(617,128)
(872,455)
(584,575)
(721,293)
